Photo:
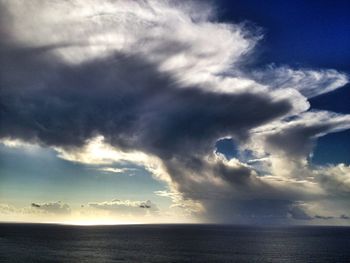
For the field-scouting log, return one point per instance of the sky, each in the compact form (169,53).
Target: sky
(121,112)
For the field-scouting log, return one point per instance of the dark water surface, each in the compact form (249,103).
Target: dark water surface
(172,243)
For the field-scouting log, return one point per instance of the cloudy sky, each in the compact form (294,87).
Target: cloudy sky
(119,111)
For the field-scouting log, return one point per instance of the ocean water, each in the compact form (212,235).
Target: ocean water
(172,243)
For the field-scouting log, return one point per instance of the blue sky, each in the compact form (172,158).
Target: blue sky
(308,34)
(42,176)
(203,110)
(311,33)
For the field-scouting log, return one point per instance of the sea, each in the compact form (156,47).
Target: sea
(173,243)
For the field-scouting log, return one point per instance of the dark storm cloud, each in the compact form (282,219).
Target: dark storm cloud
(122,98)
(258,211)
(297,137)
(195,177)
(157,82)
(299,140)
(133,106)
(126,98)
(299,214)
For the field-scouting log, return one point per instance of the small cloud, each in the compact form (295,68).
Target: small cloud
(344,217)
(127,207)
(52,207)
(147,204)
(127,171)
(324,217)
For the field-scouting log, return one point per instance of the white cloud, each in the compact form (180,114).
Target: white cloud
(173,35)
(128,171)
(309,82)
(98,152)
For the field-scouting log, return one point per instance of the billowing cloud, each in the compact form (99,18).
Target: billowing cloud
(147,82)
(299,214)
